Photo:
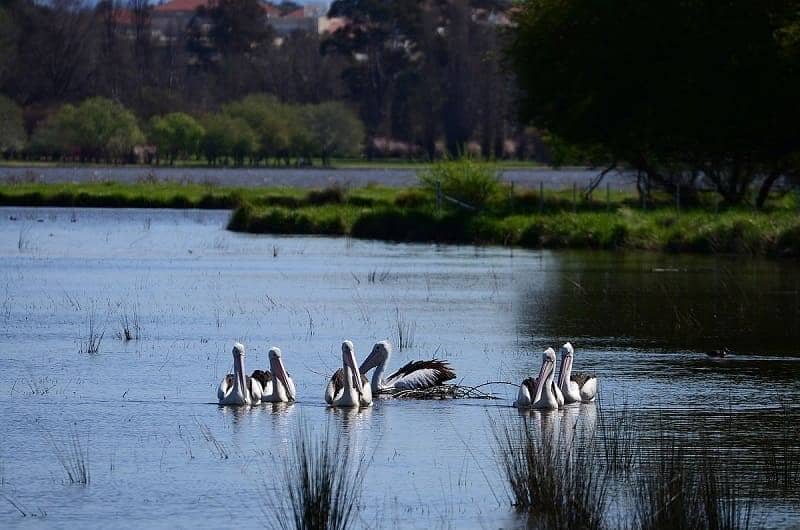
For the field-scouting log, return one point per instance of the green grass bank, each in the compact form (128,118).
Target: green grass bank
(521,219)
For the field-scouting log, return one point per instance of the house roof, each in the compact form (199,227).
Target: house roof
(180,6)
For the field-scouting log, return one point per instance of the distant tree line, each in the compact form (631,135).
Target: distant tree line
(255,130)
(425,78)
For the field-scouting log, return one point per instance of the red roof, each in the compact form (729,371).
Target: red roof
(181,6)
(123,17)
(297,13)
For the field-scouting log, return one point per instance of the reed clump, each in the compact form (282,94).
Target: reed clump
(73,456)
(669,492)
(554,481)
(323,484)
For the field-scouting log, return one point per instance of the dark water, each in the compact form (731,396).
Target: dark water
(162,454)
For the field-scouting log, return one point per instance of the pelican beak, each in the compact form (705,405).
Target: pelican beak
(545,369)
(351,361)
(370,362)
(566,364)
(280,373)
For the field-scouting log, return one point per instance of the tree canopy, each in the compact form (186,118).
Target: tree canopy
(673,89)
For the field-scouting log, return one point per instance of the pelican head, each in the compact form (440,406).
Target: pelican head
(379,355)
(279,371)
(238,349)
(349,359)
(567,354)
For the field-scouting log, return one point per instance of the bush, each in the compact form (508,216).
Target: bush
(176,134)
(469,181)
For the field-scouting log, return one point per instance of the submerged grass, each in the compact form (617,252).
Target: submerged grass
(323,484)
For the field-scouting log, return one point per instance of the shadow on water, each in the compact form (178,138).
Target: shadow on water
(670,302)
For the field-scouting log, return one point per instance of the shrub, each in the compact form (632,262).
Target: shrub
(466,180)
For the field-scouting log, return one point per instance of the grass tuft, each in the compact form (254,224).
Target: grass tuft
(323,484)
(553,480)
(73,455)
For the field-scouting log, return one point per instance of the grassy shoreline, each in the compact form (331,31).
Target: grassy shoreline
(523,219)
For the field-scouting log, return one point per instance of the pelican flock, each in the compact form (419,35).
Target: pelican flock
(543,393)
(350,387)
(415,375)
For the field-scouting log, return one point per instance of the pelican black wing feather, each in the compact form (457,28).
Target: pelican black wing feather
(338,380)
(262,377)
(422,374)
(581,378)
(531,384)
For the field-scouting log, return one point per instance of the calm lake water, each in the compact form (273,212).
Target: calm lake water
(161,453)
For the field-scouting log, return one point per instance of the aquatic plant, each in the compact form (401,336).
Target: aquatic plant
(323,484)
(618,435)
(783,458)
(552,479)
(73,455)
(216,446)
(669,493)
(131,327)
(405,330)
(94,337)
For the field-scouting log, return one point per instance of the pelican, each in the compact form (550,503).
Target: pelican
(538,393)
(237,388)
(276,382)
(415,375)
(576,387)
(347,387)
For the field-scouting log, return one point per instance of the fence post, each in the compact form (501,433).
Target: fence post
(511,197)
(608,196)
(438,195)
(541,196)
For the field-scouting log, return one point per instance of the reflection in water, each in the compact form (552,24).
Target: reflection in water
(672,302)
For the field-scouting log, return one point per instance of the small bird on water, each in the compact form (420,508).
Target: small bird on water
(718,354)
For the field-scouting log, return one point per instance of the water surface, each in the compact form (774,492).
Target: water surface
(163,454)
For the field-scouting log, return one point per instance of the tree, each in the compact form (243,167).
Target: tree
(334,130)
(268,119)
(12,130)
(226,136)
(96,129)
(673,89)
(176,135)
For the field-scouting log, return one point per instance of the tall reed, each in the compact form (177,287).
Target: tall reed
(670,493)
(322,484)
(552,479)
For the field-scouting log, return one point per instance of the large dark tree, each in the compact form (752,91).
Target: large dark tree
(674,89)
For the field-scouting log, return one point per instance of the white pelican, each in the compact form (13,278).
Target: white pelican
(347,387)
(538,393)
(414,375)
(576,387)
(237,388)
(276,382)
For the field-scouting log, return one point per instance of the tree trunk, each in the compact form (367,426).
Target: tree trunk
(766,186)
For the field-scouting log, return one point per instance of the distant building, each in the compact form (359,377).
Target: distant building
(168,19)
